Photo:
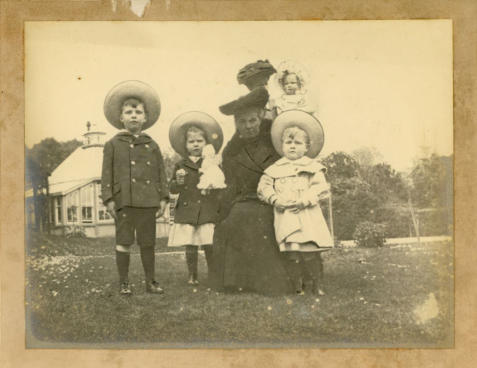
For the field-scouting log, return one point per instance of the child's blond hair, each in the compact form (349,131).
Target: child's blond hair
(293,131)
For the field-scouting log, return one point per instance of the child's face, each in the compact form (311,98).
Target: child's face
(294,147)
(133,118)
(195,142)
(290,84)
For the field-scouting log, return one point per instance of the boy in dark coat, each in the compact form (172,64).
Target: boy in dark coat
(133,182)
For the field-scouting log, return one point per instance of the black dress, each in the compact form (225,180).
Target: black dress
(246,255)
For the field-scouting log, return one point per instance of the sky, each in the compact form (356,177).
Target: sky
(380,84)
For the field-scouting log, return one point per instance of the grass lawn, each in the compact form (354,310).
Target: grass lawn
(399,296)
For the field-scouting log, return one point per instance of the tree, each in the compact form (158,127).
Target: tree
(40,161)
(432,182)
(432,193)
(367,156)
(340,165)
(49,153)
(353,200)
(386,183)
(170,160)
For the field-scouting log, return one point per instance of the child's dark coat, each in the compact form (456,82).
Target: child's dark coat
(192,207)
(133,172)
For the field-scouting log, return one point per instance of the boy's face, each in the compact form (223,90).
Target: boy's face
(294,147)
(290,84)
(133,118)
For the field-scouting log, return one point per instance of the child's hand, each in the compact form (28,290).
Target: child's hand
(281,204)
(297,207)
(180,176)
(161,209)
(111,209)
(205,191)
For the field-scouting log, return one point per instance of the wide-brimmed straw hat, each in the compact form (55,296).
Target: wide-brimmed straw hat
(132,89)
(178,129)
(257,98)
(302,120)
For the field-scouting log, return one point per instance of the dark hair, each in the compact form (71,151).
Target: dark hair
(196,129)
(133,102)
(284,76)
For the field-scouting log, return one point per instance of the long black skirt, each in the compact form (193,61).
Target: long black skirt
(245,254)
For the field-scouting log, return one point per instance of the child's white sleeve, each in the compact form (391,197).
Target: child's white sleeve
(319,189)
(265,190)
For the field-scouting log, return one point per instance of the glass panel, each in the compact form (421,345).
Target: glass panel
(103,215)
(72,202)
(87,214)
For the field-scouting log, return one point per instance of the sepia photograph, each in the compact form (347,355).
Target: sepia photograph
(247,184)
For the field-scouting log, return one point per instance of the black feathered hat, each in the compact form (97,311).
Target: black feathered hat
(257,98)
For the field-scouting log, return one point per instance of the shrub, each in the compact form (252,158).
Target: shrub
(75,231)
(369,235)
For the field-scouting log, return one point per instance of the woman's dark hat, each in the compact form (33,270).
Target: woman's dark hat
(261,68)
(178,129)
(302,120)
(131,89)
(257,98)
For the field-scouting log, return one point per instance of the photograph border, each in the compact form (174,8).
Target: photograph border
(13,15)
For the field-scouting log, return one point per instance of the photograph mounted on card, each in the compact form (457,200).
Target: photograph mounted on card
(239,184)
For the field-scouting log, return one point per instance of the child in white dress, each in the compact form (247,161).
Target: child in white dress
(197,207)
(291,80)
(294,185)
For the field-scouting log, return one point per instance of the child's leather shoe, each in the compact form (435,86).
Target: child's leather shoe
(124,289)
(154,288)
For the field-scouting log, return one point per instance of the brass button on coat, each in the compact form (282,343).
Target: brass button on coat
(133,180)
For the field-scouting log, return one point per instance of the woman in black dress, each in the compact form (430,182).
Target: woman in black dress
(246,256)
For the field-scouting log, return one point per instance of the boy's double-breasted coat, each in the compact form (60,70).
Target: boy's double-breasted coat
(133,172)
(192,207)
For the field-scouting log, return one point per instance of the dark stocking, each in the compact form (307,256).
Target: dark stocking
(122,261)
(148,262)
(192,260)
(294,269)
(208,254)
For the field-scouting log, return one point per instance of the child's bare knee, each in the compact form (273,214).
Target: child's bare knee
(123,248)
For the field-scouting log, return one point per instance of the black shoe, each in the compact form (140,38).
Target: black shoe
(317,290)
(154,288)
(124,289)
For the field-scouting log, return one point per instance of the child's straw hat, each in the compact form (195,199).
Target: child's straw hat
(132,89)
(178,129)
(302,120)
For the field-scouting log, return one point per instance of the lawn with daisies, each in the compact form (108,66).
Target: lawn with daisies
(398,295)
